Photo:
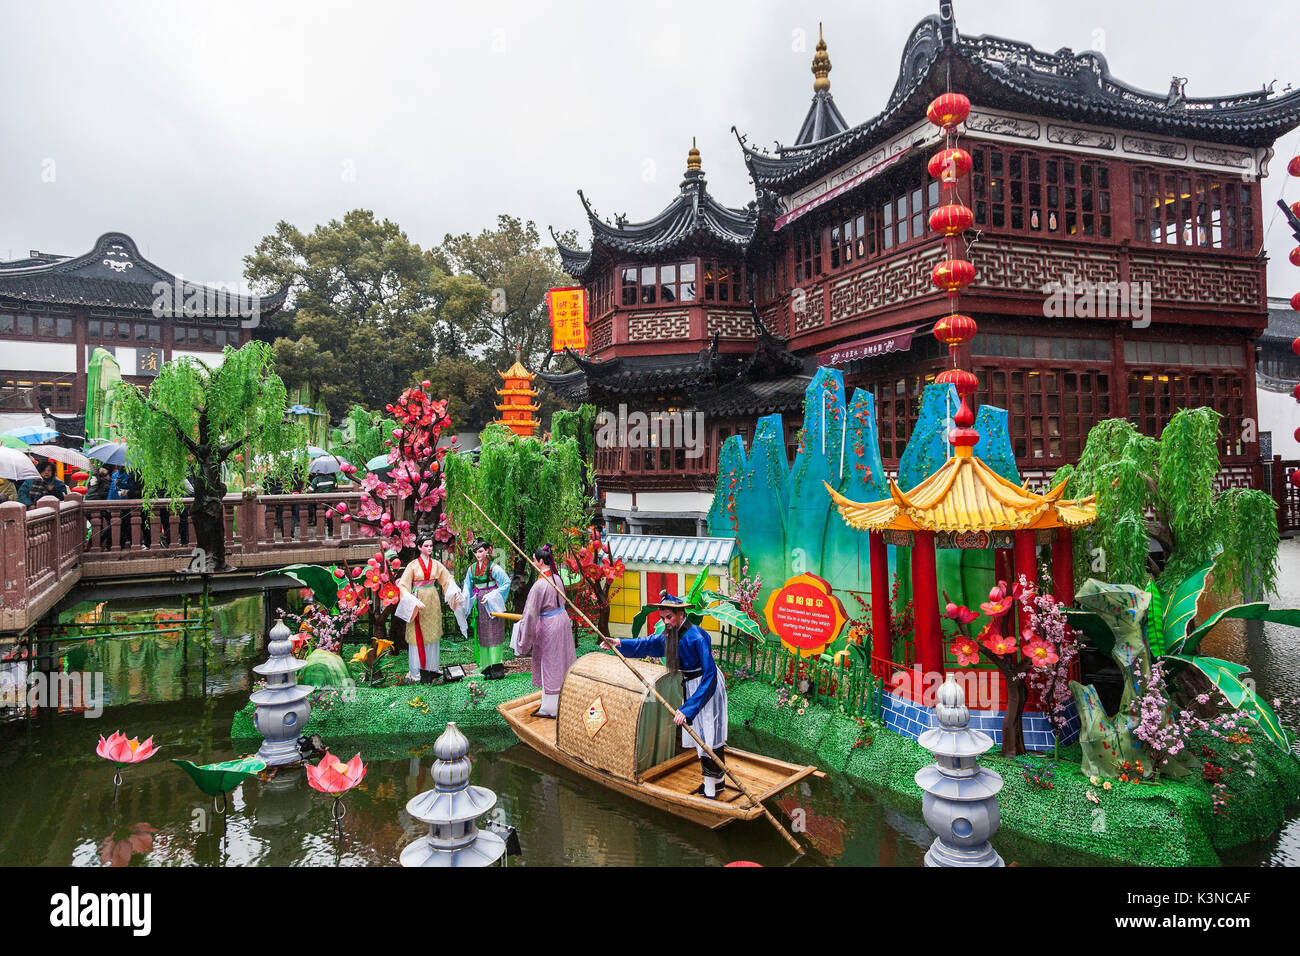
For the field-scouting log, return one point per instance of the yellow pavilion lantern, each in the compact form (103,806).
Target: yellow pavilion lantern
(517,406)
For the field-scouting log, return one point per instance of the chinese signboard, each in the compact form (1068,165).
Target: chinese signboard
(148,361)
(568,318)
(867,348)
(805,614)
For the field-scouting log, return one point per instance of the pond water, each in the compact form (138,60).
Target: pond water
(58,806)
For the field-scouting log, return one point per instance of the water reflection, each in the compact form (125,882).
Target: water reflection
(56,796)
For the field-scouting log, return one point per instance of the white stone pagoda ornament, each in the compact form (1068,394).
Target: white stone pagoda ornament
(451,809)
(961,797)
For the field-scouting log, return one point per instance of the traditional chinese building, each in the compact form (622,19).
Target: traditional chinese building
(1116,242)
(56,309)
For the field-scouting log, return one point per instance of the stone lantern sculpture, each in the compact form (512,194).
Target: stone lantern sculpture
(451,809)
(961,797)
(282,707)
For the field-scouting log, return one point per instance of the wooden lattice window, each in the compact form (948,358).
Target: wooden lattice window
(1178,208)
(1040,194)
(723,281)
(1050,409)
(1155,395)
(807,253)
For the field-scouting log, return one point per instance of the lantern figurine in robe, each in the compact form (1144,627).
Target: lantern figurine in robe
(685,647)
(546,633)
(486,587)
(421,608)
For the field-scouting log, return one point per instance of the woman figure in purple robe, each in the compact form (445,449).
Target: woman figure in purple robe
(546,633)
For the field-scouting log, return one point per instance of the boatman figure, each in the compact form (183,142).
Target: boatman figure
(686,648)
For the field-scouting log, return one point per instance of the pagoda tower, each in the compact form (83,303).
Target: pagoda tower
(517,394)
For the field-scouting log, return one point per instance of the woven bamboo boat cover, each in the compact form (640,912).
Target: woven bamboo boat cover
(608,720)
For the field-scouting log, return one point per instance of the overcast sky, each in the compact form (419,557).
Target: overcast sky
(195,127)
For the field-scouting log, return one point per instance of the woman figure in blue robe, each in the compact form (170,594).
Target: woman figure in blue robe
(686,649)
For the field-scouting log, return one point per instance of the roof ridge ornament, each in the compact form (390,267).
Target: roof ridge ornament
(821,64)
(947,23)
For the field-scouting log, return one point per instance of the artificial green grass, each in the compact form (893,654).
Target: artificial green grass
(1171,823)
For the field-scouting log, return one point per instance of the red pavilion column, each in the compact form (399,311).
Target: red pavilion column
(1024,546)
(925,605)
(1063,566)
(882,645)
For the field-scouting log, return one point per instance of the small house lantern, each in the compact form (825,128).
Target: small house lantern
(281,708)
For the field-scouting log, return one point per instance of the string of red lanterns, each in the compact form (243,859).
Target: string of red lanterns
(955,272)
(1293,168)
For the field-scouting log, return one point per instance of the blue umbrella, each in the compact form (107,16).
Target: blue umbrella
(378,463)
(314,452)
(109,452)
(33,434)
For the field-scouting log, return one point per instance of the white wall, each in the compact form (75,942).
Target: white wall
(210,359)
(1279,413)
(39,356)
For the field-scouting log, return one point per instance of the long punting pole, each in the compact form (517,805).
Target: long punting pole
(650,687)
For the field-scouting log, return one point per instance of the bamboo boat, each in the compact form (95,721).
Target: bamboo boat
(610,730)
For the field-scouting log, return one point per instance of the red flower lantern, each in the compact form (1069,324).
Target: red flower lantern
(954,330)
(949,109)
(949,165)
(959,378)
(953,275)
(1293,167)
(951,219)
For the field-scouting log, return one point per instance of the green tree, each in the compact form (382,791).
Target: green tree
(1166,490)
(471,389)
(371,308)
(514,267)
(194,418)
(533,491)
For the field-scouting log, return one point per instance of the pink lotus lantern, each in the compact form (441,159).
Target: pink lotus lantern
(122,752)
(336,778)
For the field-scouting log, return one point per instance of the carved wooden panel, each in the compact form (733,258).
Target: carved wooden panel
(1028,267)
(808,309)
(894,281)
(730,325)
(658,326)
(1177,279)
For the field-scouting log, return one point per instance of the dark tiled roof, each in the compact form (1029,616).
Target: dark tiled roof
(1283,323)
(755,398)
(1017,76)
(113,275)
(693,220)
(823,120)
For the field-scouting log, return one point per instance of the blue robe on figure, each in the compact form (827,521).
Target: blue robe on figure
(705,706)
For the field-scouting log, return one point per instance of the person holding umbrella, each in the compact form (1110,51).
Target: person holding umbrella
(34,489)
(15,468)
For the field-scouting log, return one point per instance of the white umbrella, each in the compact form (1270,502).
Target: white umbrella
(16,466)
(58,453)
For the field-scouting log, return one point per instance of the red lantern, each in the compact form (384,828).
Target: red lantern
(1295,477)
(949,165)
(956,329)
(1295,301)
(1296,392)
(953,275)
(959,378)
(1295,256)
(951,219)
(950,109)
(1295,346)
(1296,435)
(1295,208)
(1293,167)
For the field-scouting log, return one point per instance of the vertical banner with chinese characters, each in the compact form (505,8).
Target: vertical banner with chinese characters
(805,614)
(568,308)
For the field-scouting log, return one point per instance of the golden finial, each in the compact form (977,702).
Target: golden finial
(693,157)
(821,65)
